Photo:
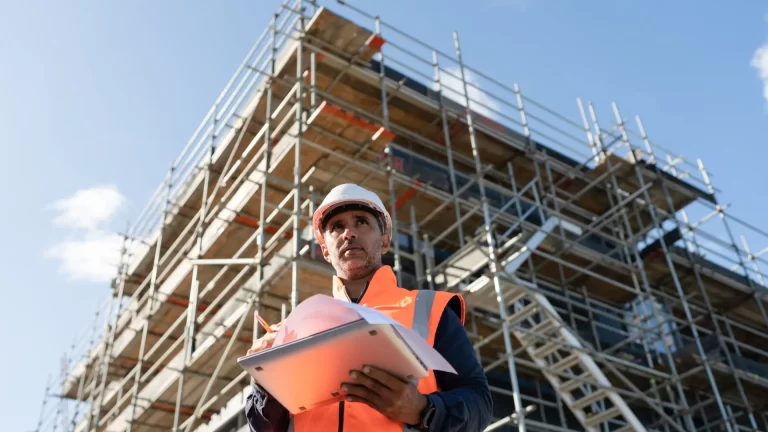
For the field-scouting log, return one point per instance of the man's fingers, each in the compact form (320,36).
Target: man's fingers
(262,343)
(383,377)
(361,391)
(373,384)
(277,326)
(352,398)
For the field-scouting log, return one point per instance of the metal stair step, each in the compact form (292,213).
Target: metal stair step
(546,349)
(602,417)
(546,328)
(539,327)
(573,384)
(513,294)
(566,363)
(524,313)
(590,399)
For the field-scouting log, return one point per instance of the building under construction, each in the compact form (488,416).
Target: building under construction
(596,299)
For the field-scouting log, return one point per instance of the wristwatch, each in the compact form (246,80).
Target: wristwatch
(427,414)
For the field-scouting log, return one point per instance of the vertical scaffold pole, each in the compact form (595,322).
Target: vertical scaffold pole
(429,261)
(109,334)
(448,148)
(595,141)
(81,385)
(753,257)
(494,263)
(151,302)
(297,153)
(191,325)
(236,333)
(91,389)
(721,213)
(673,271)
(267,161)
(395,241)
(45,402)
(313,80)
(697,275)
(693,245)
(417,250)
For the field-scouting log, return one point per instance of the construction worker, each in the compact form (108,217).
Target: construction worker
(354,230)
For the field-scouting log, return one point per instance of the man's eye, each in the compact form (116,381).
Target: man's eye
(362,221)
(337,226)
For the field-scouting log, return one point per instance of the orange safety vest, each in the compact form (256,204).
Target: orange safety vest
(419,310)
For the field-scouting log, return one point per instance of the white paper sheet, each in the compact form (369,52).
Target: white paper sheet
(321,312)
(314,315)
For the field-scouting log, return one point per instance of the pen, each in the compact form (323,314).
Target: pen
(264,324)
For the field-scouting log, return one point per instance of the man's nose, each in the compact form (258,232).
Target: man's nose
(350,233)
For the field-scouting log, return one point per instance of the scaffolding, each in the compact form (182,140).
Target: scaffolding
(601,295)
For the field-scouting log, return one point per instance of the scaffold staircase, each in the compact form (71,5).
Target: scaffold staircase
(547,339)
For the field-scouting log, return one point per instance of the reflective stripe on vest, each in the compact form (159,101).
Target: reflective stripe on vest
(422,310)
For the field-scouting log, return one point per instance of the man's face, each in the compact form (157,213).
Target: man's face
(354,244)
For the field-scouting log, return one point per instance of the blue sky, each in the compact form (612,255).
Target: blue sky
(98,98)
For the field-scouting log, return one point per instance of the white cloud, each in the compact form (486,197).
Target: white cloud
(87,208)
(90,253)
(94,257)
(760,62)
(453,88)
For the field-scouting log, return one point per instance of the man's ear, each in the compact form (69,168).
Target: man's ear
(326,252)
(386,240)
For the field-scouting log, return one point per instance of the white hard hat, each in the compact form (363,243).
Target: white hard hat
(346,194)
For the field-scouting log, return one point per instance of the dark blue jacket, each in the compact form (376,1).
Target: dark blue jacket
(464,404)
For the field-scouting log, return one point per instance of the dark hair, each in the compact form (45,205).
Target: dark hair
(354,206)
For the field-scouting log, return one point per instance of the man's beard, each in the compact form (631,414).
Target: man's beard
(356,266)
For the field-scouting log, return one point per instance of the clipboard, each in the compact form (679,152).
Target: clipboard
(308,372)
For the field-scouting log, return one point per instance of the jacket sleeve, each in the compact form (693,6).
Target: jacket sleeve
(264,413)
(464,400)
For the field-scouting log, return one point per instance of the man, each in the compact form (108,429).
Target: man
(354,231)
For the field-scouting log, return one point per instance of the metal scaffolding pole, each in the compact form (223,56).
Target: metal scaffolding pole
(300,120)
(699,282)
(395,240)
(494,264)
(448,149)
(640,269)
(190,422)
(190,329)
(267,146)
(642,285)
(673,272)
(81,381)
(721,213)
(151,303)
(109,332)
(537,185)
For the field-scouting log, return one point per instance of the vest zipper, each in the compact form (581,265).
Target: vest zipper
(341,416)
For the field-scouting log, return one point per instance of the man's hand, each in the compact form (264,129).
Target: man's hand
(397,399)
(265,341)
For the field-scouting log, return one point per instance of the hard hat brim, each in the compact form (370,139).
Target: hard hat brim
(320,212)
